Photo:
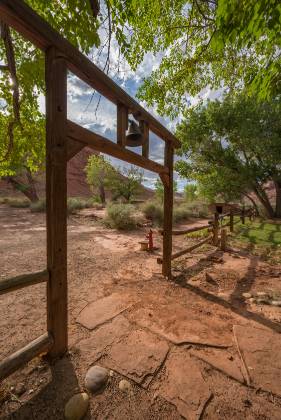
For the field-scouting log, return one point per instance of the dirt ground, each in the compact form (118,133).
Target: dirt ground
(192,348)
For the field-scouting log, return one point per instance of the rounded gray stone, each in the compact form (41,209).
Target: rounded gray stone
(96,378)
(76,407)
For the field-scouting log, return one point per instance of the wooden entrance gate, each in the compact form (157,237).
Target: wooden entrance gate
(63,140)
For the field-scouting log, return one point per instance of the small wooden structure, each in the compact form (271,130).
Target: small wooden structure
(63,140)
(223,208)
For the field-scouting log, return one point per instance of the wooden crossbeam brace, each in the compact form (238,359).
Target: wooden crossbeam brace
(16,283)
(73,147)
(103,145)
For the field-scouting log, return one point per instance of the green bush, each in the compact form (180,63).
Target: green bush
(38,206)
(154,212)
(180,214)
(120,216)
(74,204)
(196,208)
(19,203)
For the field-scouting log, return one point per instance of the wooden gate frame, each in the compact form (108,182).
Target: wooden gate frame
(63,140)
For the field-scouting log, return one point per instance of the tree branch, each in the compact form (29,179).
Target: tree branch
(95,6)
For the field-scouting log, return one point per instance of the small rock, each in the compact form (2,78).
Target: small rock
(19,389)
(96,378)
(252,300)
(261,294)
(246,295)
(30,391)
(125,385)
(76,407)
(276,302)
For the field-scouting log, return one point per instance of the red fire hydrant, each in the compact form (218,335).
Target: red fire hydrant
(150,240)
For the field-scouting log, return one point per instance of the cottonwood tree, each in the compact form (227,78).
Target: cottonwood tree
(127,184)
(235,146)
(100,175)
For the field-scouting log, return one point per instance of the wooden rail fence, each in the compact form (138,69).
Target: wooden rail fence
(216,229)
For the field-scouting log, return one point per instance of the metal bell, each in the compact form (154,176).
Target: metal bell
(134,135)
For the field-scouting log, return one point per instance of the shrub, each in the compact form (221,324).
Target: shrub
(153,212)
(74,204)
(180,214)
(18,202)
(38,206)
(120,216)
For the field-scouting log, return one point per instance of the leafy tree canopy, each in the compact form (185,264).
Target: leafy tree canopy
(233,146)
(100,175)
(215,43)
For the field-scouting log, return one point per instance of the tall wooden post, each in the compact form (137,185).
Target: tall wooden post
(216,229)
(223,239)
(231,224)
(168,211)
(243,215)
(56,199)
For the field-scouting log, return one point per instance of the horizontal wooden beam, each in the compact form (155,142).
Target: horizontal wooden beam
(11,363)
(27,22)
(190,230)
(103,145)
(186,250)
(15,283)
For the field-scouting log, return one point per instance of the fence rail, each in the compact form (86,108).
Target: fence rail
(15,283)
(218,236)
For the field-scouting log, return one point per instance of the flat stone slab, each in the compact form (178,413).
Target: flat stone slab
(180,324)
(99,343)
(136,354)
(221,360)
(183,385)
(259,349)
(102,310)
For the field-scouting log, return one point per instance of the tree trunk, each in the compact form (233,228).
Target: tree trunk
(263,199)
(277,185)
(28,190)
(254,203)
(102,194)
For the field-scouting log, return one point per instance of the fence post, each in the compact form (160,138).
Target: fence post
(243,215)
(216,229)
(231,221)
(223,239)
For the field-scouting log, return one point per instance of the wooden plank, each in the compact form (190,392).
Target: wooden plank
(145,132)
(23,19)
(56,199)
(186,250)
(16,283)
(190,230)
(223,239)
(103,145)
(11,363)
(168,213)
(122,124)
(231,219)
(73,147)
(216,230)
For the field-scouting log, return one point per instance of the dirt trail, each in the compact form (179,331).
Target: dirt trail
(167,339)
